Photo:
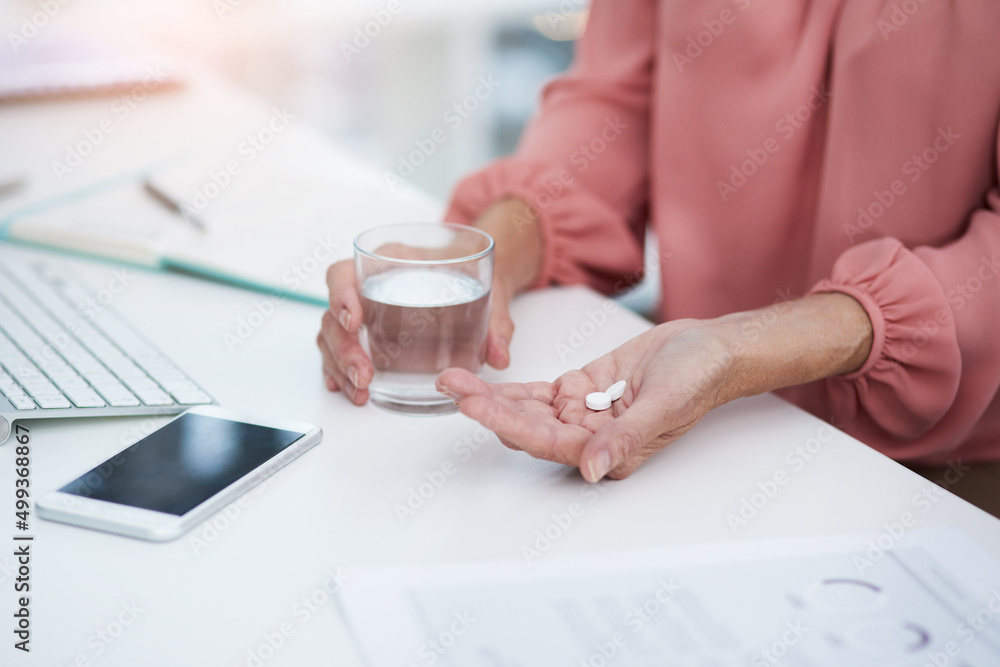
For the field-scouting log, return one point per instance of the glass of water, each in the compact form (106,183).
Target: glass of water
(425,291)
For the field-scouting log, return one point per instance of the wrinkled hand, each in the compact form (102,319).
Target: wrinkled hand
(346,366)
(675,372)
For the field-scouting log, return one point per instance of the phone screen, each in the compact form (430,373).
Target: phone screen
(183,464)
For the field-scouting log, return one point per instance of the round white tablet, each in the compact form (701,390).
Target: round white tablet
(616,391)
(598,401)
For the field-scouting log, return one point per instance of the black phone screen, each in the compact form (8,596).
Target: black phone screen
(183,464)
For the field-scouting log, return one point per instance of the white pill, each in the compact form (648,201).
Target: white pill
(616,391)
(598,401)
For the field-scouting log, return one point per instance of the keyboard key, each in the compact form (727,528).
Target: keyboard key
(174,386)
(56,355)
(24,371)
(118,397)
(53,401)
(85,398)
(194,397)
(154,397)
(100,377)
(162,371)
(13,392)
(21,402)
(69,382)
(41,387)
(143,383)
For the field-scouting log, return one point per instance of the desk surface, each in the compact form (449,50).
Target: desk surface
(213,595)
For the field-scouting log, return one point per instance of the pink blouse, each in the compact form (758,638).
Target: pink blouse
(780,148)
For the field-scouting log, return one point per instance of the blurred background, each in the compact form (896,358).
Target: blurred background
(377,76)
(430,89)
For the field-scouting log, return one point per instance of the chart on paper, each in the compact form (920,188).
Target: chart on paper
(914,605)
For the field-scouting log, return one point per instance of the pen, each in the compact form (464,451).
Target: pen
(184,212)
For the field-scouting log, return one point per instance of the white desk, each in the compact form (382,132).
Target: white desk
(211,596)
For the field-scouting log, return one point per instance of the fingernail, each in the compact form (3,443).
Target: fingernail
(505,348)
(599,466)
(345,317)
(353,374)
(446,391)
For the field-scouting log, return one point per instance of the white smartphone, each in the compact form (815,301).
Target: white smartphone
(180,474)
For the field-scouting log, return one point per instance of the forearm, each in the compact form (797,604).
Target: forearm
(794,342)
(516,230)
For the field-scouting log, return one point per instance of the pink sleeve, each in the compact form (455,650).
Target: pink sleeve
(934,368)
(583,160)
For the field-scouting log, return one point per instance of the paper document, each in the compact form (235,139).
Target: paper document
(932,599)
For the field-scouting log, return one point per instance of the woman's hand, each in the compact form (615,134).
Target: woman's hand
(346,367)
(517,256)
(675,374)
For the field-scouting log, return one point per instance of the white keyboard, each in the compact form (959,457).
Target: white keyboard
(59,359)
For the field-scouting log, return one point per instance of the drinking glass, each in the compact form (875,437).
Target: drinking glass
(425,289)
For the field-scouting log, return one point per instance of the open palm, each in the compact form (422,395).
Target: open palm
(673,374)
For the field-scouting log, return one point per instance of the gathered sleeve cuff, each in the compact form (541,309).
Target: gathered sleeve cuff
(585,241)
(913,372)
